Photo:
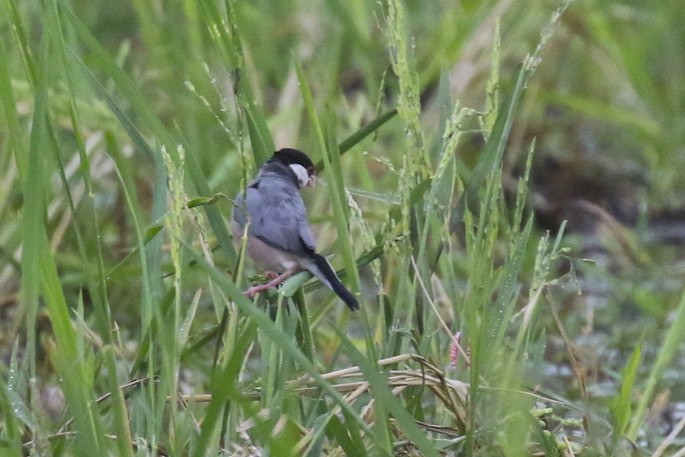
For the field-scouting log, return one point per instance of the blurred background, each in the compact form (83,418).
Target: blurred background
(605,111)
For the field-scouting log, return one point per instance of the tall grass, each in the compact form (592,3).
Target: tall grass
(121,160)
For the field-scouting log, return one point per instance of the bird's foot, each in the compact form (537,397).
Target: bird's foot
(254,290)
(276,279)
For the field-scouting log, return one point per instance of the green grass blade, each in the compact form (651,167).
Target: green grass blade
(326,140)
(224,388)
(41,275)
(120,413)
(671,342)
(13,408)
(95,276)
(356,138)
(621,405)
(9,104)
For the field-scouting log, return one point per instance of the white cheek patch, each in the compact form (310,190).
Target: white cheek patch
(301,173)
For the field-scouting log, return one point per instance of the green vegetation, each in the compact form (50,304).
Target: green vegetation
(438,128)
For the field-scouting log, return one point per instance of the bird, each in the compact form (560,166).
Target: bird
(278,234)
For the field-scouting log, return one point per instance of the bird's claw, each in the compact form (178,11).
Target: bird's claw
(271,275)
(254,290)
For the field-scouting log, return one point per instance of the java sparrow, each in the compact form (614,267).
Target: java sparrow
(278,235)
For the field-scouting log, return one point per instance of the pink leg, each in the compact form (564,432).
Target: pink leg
(254,290)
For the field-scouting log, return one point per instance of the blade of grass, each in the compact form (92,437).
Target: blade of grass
(621,405)
(326,141)
(226,36)
(95,277)
(336,429)
(22,40)
(223,387)
(12,407)
(121,418)
(40,272)
(356,138)
(15,134)
(671,342)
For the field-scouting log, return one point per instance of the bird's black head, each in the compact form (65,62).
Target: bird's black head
(299,163)
(291,156)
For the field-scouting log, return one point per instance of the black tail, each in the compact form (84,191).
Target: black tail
(332,281)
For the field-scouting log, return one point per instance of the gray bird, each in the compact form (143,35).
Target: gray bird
(279,237)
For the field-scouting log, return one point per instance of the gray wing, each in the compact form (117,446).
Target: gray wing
(278,216)
(239,214)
